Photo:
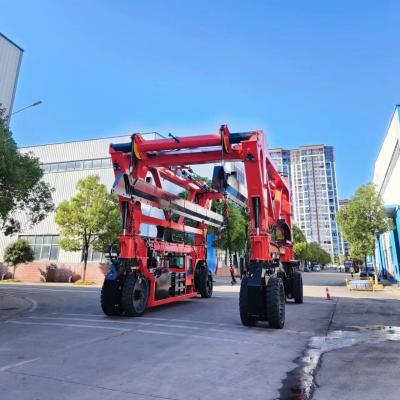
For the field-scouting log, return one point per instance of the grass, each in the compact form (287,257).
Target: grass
(11,281)
(84,283)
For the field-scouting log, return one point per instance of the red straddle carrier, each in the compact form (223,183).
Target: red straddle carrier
(162,246)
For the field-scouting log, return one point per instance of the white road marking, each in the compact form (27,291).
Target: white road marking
(7,367)
(66,325)
(34,305)
(259,329)
(191,336)
(75,290)
(103,321)
(191,321)
(255,331)
(133,323)
(80,314)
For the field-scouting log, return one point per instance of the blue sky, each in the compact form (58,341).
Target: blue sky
(307,72)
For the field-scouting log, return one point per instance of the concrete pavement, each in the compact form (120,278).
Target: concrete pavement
(13,304)
(63,347)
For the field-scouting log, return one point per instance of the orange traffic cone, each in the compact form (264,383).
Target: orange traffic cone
(328,296)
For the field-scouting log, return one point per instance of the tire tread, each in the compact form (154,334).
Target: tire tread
(110,298)
(246,319)
(127,292)
(273,299)
(297,287)
(204,276)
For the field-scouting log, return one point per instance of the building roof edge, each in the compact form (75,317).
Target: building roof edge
(88,140)
(9,40)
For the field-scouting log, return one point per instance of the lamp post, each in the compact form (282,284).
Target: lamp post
(36,103)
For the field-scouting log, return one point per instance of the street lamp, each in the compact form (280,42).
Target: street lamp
(36,103)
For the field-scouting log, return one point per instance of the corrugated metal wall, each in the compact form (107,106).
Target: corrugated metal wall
(10,58)
(65,182)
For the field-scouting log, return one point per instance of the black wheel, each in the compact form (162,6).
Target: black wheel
(205,284)
(110,298)
(275,298)
(286,284)
(297,287)
(247,319)
(134,295)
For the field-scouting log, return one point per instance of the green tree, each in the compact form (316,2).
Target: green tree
(317,254)
(301,251)
(361,220)
(342,259)
(233,237)
(91,219)
(298,235)
(21,188)
(17,253)
(300,247)
(308,251)
(324,257)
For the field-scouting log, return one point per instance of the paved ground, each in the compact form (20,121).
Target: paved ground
(62,347)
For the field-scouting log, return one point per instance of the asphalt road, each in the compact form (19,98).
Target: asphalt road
(324,278)
(62,347)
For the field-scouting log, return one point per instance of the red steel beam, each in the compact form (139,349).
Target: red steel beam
(213,139)
(163,160)
(172,177)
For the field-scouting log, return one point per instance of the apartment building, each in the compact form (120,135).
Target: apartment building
(312,177)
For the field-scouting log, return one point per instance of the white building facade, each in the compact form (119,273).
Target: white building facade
(10,61)
(387,181)
(64,164)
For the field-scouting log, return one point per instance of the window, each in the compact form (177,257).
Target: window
(78,164)
(53,167)
(94,256)
(45,247)
(106,162)
(46,168)
(96,163)
(88,164)
(62,167)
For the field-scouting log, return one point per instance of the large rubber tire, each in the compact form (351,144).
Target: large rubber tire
(275,298)
(286,284)
(205,284)
(110,298)
(297,285)
(247,319)
(134,295)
